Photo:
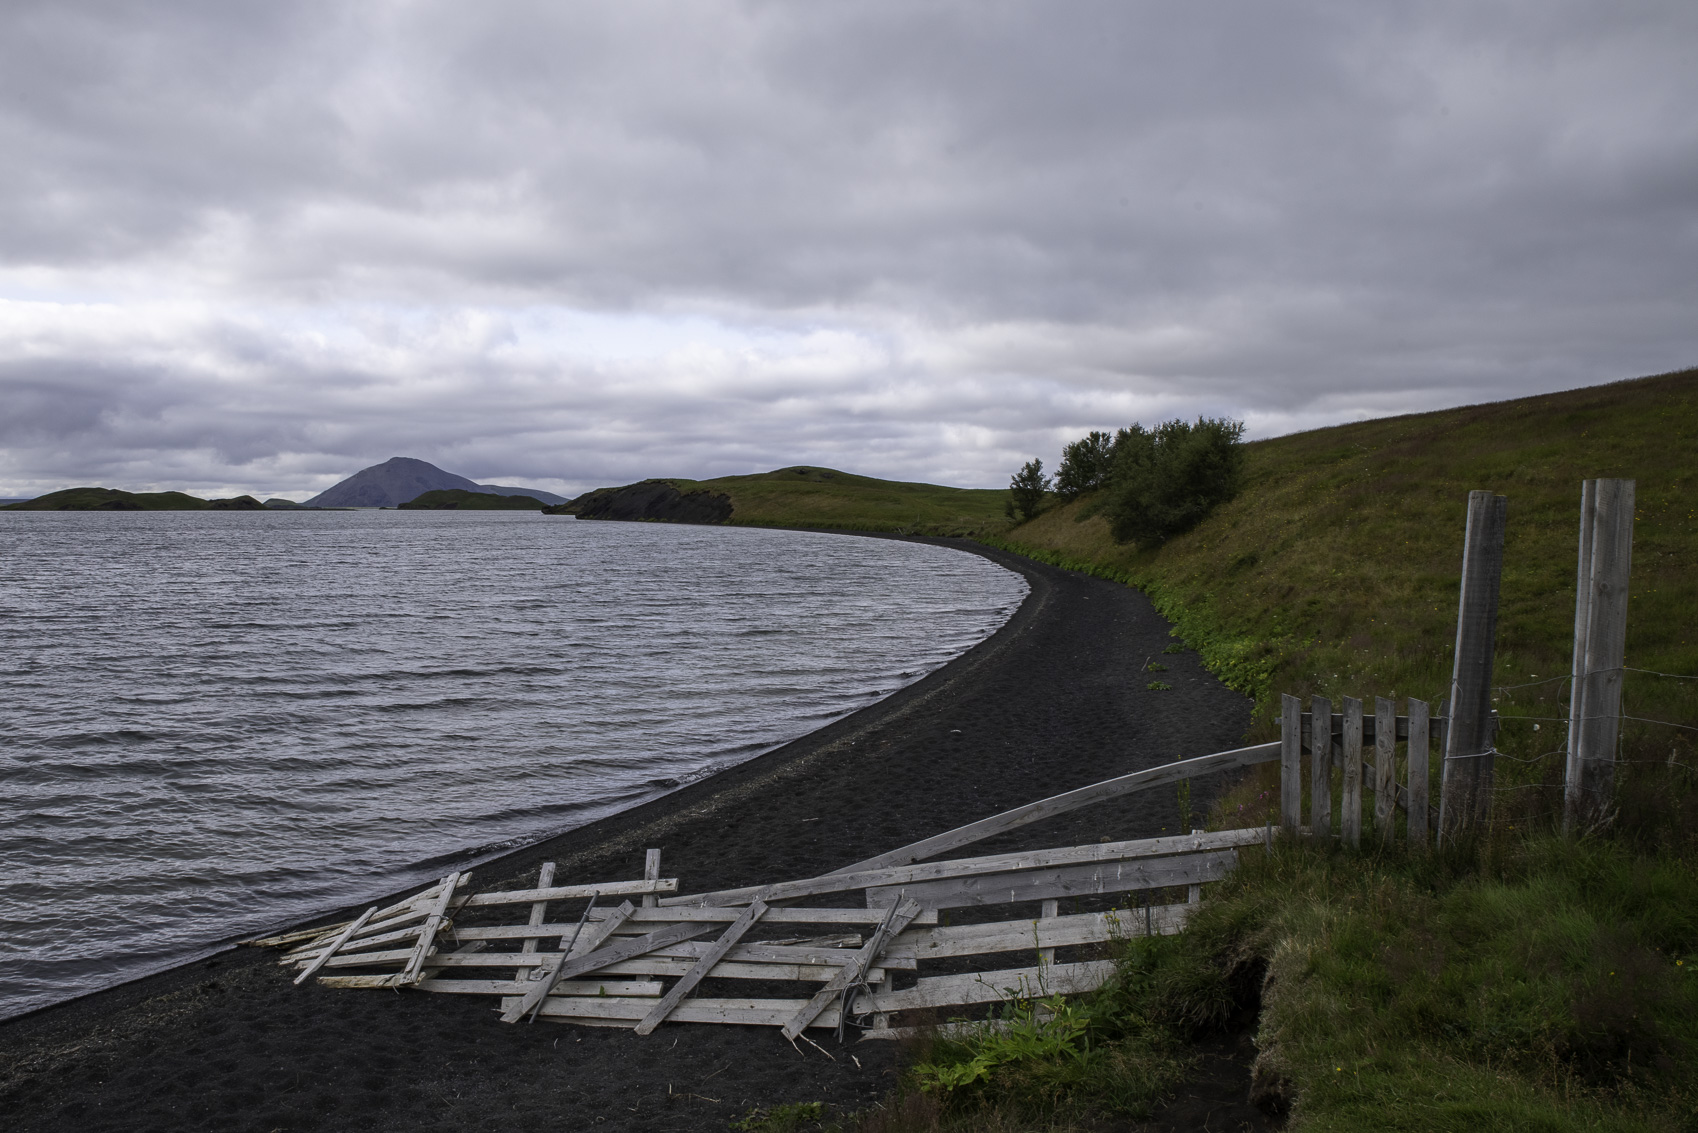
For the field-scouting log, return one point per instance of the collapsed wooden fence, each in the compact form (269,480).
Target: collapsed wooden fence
(865,944)
(860,946)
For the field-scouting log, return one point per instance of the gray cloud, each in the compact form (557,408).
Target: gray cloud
(255,247)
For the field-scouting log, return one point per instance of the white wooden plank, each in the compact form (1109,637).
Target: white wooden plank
(937,991)
(1067,801)
(775,915)
(539,909)
(990,987)
(1019,936)
(432,925)
(519,987)
(341,939)
(969,867)
(572,892)
(1088,879)
(611,953)
(651,871)
(897,920)
(727,940)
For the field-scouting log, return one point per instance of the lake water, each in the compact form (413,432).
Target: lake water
(216,724)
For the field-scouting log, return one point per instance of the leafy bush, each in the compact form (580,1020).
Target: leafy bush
(1166,480)
(1086,465)
(1027,489)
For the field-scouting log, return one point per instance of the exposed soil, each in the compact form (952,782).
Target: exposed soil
(1056,699)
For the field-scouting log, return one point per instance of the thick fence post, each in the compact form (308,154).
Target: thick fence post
(1290,764)
(1600,647)
(1465,790)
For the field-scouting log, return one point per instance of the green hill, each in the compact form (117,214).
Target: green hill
(116,499)
(804,496)
(1336,570)
(458,499)
(1521,980)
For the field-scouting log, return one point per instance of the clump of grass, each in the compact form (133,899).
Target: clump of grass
(792,1118)
(1531,984)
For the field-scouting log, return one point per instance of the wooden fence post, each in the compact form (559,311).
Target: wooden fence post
(1290,764)
(1419,752)
(1595,705)
(1385,767)
(1350,820)
(1577,678)
(1320,769)
(1465,791)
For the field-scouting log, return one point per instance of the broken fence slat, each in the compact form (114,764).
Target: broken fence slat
(733,933)
(1088,879)
(1019,936)
(1067,801)
(342,939)
(520,987)
(895,921)
(967,867)
(432,925)
(624,950)
(571,892)
(725,914)
(935,992)
(539,909)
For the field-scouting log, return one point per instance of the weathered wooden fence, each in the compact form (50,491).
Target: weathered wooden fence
(862,944)
(1374,764)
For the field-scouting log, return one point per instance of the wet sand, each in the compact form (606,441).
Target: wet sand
(1055,699)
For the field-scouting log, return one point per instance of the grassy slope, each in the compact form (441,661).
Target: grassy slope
(1336,570)
(1522,983)
(825,497)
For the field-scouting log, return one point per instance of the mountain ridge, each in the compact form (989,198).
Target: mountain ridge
(401,479)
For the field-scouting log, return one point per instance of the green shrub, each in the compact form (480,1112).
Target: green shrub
(1168,479)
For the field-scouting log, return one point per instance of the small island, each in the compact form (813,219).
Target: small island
(458,499)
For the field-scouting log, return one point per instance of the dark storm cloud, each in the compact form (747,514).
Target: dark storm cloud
(262,245)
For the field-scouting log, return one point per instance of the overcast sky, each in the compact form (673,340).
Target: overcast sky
(256,247)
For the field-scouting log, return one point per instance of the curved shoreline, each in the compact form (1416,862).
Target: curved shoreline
(1049,701)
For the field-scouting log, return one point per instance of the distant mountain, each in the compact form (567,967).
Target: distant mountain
(401,478)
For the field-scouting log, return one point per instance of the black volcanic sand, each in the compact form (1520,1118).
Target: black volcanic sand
(1056,699)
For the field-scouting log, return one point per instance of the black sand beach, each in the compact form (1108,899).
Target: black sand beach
(1054,700)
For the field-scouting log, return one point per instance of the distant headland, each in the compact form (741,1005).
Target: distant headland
(400,481)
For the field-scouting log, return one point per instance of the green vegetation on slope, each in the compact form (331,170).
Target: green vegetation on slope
(824,497)
(458,499)
(116,499)
(1335,570)
(1521,982)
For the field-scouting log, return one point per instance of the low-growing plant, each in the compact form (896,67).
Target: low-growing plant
(791,1118)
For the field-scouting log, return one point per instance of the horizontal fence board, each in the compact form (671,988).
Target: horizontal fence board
(969,867)
(990,987)
(1051,932)
(1067,801)
(569,892)
(1087,879)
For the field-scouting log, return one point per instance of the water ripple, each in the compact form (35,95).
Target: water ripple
(218,723)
